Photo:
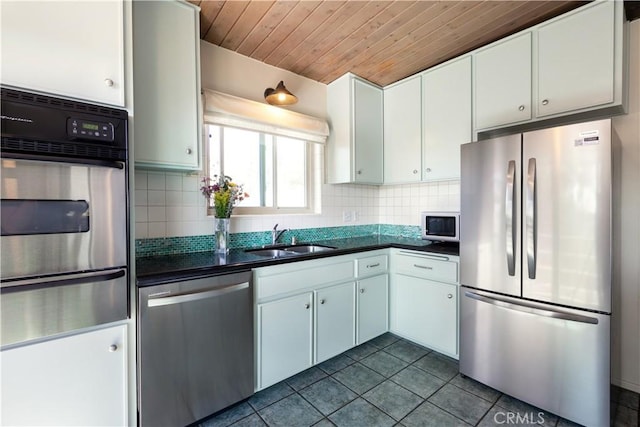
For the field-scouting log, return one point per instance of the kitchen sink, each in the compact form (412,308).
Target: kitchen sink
(306,249)
(283,251)
(270,253)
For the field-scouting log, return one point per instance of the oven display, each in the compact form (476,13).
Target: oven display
(89,130)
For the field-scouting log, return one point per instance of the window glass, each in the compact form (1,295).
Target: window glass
(274,170)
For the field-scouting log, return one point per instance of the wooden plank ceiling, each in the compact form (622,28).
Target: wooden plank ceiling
(381,41)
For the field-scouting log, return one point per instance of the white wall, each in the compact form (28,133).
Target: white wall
(625,355)
(228,72)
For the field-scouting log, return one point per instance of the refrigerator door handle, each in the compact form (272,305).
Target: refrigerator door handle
(510,217)
(531,218)
(525,307)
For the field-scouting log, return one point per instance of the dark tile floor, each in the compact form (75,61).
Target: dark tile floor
(393,382)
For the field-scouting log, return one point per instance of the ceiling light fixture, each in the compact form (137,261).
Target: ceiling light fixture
(280,95)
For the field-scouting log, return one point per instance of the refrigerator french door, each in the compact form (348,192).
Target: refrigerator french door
(535,256)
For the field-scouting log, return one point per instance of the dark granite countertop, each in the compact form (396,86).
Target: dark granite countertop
(154,270)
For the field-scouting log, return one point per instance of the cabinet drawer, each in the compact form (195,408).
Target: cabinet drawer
(372,265)
(428,268)
(303,279)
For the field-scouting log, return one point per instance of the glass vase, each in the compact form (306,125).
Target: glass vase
(221,234)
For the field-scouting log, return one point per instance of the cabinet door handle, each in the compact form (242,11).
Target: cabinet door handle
(428,169)
(362,290)
(415,171)
(377,264)
(113,348)
(189,151)
(521,108)
(545,101)
(360,172)
(307,305)
(108,82)
(426,267)
(449,296)
(322,301)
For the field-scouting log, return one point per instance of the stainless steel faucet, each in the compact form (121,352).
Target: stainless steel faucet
(275,234)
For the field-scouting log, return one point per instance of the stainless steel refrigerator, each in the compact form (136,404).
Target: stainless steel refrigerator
(535,268)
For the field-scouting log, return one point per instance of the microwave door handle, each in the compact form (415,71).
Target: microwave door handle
(510,217)
(531,218)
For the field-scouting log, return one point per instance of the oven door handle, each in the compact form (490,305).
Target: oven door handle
(71,279)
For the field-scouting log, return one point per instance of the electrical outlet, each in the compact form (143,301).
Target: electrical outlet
(347,216)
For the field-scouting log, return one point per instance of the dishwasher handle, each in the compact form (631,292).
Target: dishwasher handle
(195,296)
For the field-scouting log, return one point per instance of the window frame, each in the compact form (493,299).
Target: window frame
(311,155)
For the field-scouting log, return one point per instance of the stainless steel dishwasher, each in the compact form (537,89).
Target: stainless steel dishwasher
(195,348)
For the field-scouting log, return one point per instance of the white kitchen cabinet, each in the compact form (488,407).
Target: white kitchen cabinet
(424,299)
(166,81)
(355,147)
(403,131)
(285,338)
(447,121)
(373,307)
(335,320)
(78,380)
(572,64)
(308,312)
(426,312)
(71,49)
(575,59)
(502,82)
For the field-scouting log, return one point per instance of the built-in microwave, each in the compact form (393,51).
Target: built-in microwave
(444,226)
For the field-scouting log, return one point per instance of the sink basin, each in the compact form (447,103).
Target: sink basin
(270,253)
(284,251)
(307,249)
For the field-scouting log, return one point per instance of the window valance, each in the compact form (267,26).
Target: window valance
(228,110)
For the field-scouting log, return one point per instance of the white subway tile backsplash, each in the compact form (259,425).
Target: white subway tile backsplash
(156,198)
(140,180)
(168,203)
(141,214)
(173,198)
(174,182)
(156,181)
(157,213)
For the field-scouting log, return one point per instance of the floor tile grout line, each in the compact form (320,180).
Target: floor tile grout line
(385,378)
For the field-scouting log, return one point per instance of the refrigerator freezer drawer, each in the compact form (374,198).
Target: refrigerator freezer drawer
(555,359)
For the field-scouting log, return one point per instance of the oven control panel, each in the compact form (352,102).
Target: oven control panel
(89,129)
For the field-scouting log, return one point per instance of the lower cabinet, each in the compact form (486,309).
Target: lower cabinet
(335,320)
(424,299)
(310,311)
(426,312)
(76,380)
(373,307)
(284,338)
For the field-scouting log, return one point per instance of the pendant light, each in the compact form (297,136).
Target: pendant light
(280,95)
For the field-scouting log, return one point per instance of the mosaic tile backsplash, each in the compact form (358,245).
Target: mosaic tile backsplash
(187,244)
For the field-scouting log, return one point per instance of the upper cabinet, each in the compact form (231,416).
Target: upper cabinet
(571,64)
(354,150)
(576,61)
(446,118)
(166,74)
(403,131)
(502,82)
(71,49)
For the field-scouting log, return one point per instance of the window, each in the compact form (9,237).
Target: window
(276,171)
